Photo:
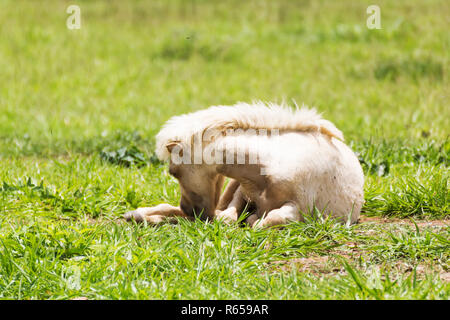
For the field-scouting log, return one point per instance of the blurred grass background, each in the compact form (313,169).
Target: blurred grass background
(134,64)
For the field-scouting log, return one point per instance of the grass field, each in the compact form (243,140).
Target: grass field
(79,110)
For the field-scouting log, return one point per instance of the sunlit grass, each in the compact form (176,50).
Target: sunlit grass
(79,111)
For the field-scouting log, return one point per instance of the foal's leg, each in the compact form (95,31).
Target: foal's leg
(155,215)
(227,195)
(167,213)
(234,208)
(287,213)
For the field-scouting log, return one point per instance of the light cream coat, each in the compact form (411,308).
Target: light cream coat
(305,165)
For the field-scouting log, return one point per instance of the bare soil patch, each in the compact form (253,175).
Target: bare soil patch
(389,220)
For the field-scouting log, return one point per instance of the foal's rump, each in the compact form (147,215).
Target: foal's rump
(323,171)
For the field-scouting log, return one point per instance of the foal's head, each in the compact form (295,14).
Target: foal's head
(200,186)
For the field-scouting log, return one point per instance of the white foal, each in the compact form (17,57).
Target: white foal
(283,176)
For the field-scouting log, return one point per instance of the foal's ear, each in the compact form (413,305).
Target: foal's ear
(172,145)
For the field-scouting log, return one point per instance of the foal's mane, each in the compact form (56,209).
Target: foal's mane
(257,115)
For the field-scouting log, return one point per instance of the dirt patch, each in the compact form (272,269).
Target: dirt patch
(420,223)
(445,276)
(311,263)
(316,265)
(332,265)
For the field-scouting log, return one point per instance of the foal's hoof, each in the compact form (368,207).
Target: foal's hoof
(133,215)
(252,219)
(227,216)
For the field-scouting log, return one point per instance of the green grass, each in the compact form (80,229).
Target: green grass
(213,261)
(79,111)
